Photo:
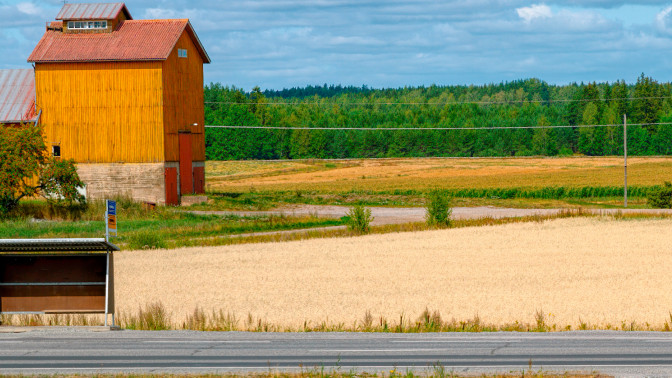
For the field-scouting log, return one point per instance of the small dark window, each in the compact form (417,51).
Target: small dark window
(56,151)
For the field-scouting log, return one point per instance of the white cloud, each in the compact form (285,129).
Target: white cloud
(161,13)
(534,12)
(663,20)
(29,9)
(586,21)
(383,43)
(356,40)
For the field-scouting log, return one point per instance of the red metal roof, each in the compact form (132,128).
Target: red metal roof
(17,96)
(98,11)
(133,40)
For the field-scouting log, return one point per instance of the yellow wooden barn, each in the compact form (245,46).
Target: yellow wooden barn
(124,99)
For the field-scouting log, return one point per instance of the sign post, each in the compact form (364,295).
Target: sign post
(110,229)
(625,160)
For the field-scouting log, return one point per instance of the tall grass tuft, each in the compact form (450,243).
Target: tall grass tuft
(217,321)
(152,318)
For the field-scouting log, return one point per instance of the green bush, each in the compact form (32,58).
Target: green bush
(358,219)
(437,204)
(146,240)
(661,198)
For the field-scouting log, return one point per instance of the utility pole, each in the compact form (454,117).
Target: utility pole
(625,160)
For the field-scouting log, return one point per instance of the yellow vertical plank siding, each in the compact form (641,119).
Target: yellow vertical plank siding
(183,94)
(104,112)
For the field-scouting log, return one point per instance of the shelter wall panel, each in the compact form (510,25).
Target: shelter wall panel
(52,283)
(52,298)
(142,182)
(103,112)
(183,93)
(45,269)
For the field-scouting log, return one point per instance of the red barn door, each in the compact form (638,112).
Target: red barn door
(186,181)
(171,187)
(199,180)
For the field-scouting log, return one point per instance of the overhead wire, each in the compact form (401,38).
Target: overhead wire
(503,102)
(431,128)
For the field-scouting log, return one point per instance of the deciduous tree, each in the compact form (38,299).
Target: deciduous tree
(26,169)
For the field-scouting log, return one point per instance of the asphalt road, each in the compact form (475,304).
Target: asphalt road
(68,351)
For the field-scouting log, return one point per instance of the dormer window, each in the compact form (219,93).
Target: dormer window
(87,24)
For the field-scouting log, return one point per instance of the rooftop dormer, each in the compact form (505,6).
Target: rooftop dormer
(92,18)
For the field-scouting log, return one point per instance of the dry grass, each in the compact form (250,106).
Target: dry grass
(579,272)
(423,173)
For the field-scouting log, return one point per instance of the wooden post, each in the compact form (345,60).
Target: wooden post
(625,160)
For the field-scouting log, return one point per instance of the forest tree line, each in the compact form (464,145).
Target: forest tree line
(528,102)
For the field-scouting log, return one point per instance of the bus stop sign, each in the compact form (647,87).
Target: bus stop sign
(111,217)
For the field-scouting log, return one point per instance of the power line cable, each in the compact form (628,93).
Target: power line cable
(434,103)
(429,128)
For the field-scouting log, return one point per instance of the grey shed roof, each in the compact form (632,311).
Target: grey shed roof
(56,245)
(17,96)
(93,11)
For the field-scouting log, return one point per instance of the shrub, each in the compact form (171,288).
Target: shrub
(661,198)
(358,219)
(437,204)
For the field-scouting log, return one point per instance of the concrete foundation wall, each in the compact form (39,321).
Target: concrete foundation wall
(142,182)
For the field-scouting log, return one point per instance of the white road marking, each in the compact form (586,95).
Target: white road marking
(380,350)
(204,342)
(428,341)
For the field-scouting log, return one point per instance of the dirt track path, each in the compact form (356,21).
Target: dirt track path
(397,215)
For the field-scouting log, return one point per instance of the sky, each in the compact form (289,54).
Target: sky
(279,44)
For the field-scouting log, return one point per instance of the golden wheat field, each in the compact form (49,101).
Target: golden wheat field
(422,173)
(592,270)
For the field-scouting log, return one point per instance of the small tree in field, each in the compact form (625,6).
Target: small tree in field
(26,170)
(359,219)
(438,209)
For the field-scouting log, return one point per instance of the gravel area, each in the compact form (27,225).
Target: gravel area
(396,215)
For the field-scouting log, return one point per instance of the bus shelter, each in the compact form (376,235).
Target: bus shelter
(57,276)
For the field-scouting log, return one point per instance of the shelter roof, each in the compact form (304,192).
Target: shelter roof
(96,11)
(56,245)
(17,96)
(133,40)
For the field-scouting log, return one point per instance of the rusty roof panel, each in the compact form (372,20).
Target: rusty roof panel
(56,245)
(133,40)
(97,11)
(17,96)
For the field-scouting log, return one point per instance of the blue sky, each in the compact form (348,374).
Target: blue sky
(391,43)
